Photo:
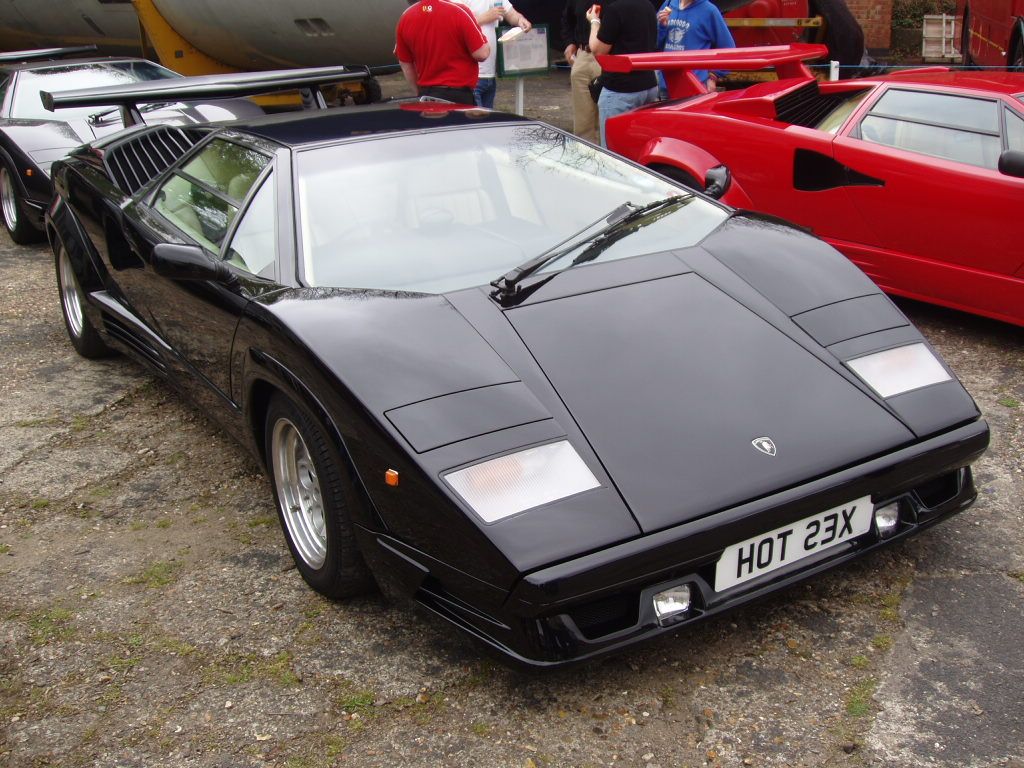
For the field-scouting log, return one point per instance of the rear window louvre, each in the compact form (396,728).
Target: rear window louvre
(806,106)
(135,162)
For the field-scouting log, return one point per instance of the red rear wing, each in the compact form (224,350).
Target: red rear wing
(786,60)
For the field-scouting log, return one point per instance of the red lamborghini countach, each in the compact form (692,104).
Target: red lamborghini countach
(917,177)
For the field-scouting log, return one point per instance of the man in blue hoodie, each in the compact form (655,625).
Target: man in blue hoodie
(693,25)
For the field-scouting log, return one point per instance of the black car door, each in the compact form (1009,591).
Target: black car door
(222,199)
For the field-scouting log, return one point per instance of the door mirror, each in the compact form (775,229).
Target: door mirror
(1011,163)
(717,181)
(190,262)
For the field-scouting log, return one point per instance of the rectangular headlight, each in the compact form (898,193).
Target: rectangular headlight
(899,370)
(505,486)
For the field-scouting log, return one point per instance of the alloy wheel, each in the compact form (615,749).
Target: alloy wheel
(8,199)
(70,293)
(298,491)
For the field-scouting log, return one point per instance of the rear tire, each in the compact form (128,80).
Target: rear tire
(305,472)
(16,222)
(83,334)
(965,38)
(843,34)
(370,94)
(1017,54)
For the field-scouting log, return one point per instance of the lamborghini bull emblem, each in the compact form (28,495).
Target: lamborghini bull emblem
(764,445)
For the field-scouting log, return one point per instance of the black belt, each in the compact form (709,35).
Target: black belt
(451,93)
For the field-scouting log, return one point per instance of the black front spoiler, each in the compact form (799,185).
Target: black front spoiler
(538,628)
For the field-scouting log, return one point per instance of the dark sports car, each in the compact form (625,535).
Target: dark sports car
(32,138)
(558,400)
(916,176)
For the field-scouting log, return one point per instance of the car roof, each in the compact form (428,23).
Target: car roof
(317,126)
(23,66)
(1007,83)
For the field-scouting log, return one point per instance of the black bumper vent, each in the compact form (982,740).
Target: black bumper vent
(603,617)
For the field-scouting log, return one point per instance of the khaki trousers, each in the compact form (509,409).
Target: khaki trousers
(584,111)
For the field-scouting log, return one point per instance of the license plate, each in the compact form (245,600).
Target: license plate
(775,549)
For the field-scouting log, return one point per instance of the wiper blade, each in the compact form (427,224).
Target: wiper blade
(507,287)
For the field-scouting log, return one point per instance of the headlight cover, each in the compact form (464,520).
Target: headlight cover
(498,488)
(44,158)
(898,370)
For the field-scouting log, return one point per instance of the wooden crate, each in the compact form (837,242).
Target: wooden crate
(940,38)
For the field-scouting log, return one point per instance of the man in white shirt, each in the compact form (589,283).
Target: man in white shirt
(488,13)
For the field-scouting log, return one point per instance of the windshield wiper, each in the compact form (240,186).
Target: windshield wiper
(97,117)
(507,288)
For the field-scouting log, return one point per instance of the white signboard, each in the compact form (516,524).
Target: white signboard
(524,54)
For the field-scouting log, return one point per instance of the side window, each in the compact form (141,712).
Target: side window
(203,197)
(952,127)
(5,83)
(1014,131)
(254,246)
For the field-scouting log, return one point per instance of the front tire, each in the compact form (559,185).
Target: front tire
(16,222)
(305,472)
(678,175)
(83,334)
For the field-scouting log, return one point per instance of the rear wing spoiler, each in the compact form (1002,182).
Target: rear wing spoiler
(129,96)
(786,60)
(42,54)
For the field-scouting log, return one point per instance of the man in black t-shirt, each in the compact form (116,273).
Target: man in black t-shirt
(625,26)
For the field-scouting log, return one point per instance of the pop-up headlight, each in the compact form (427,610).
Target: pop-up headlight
(44,158)
(899,370)
(505,486)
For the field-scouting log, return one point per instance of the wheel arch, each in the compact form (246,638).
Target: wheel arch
(269,377)
(62,228)
(693,160)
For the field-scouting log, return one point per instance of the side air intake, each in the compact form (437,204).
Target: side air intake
(137,161)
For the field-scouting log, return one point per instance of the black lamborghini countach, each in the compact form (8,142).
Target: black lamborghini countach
(558,400)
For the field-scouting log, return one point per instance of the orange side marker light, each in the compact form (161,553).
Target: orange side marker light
(391,478)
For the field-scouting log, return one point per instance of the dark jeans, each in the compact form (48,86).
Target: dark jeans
(458,95)
(485,91)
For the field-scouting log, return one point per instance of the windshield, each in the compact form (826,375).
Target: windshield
(71,77)
(437,212)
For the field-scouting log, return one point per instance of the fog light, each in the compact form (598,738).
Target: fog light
(887,518)
(672,602)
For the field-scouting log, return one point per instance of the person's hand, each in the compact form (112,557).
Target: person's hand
(490,16)
(663,15)
(524,24)
(570,53)
(712,81)
(593,14)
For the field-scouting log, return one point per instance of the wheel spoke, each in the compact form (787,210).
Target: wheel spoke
(8,200)
(70,294)
(299,493)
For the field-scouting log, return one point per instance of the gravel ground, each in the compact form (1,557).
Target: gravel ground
(150,616)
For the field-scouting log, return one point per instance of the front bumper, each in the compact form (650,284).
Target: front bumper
(602,602)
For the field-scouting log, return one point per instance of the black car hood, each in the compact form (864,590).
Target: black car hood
(663,370)
(34,135)
(671,381)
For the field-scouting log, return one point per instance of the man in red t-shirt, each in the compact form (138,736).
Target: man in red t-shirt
(438,44)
